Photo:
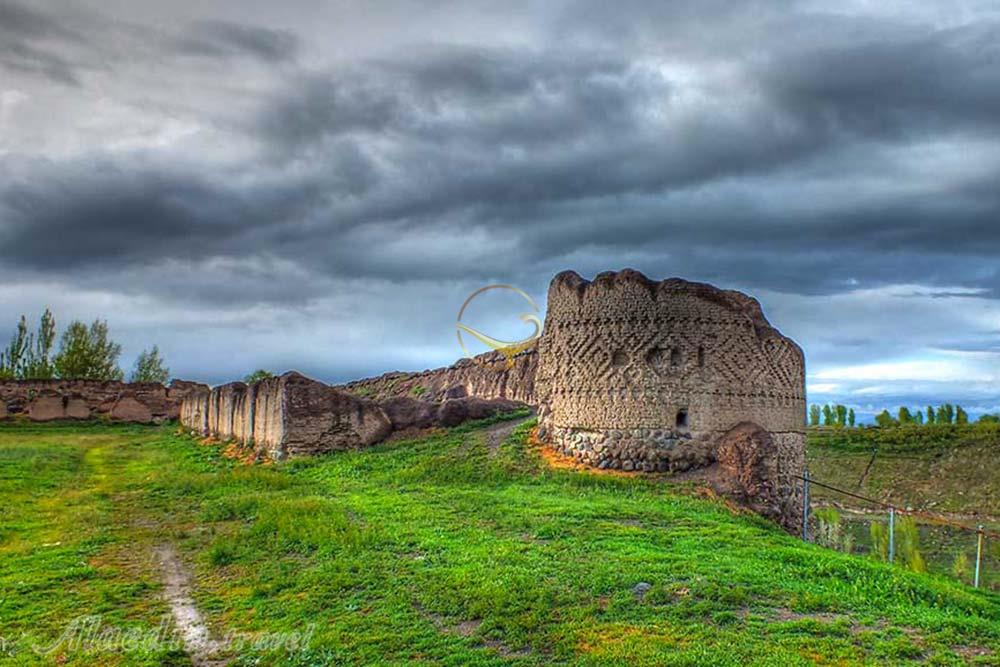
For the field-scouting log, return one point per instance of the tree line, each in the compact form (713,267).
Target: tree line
(85,353)
(833,415)
(840,415)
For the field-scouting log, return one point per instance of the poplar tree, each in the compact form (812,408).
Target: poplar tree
(814,415)
(841,415)
(961,416)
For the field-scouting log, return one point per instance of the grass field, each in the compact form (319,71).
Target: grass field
(448,550)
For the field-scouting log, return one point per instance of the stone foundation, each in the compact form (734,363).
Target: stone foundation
(641,450)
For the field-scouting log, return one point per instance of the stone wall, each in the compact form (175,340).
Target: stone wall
(293,415)
(487,376)
(637,374)
(46,400)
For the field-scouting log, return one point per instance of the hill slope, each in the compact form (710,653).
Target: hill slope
(455,549)
(946,468)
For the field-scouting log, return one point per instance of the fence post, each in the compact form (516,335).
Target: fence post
(979,556)
(892,534)
(805,506)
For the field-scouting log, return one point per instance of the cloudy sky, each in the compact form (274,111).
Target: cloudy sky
(318,185)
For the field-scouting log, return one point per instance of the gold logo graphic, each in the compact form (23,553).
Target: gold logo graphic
(507,348)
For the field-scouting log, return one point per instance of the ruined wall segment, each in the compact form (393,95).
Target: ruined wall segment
(293,415)
(636,374)
(285,416)
(487,376)
(46,400)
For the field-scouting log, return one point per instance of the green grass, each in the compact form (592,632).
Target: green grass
(439,551)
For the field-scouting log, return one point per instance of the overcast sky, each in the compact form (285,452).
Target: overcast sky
(318,185)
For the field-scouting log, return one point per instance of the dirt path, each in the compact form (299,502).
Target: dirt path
(177,591)
(497,433)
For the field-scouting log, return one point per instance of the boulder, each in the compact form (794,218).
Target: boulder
(128,409)
(77,408)
(405,412)
(46,408)
(457,410)
(749,469)
(456,391)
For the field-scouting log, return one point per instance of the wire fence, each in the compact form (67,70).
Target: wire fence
(897,540)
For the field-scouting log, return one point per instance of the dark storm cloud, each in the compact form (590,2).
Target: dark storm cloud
(61,217)
(226,39)
(26,37)
(892,85)
(763,146)
(27,22)
(565,151)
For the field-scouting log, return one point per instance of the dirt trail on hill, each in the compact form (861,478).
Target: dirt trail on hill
(177,591)
(497,433)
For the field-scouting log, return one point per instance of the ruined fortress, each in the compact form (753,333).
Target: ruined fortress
(630,374)
(638,375)
(673,376)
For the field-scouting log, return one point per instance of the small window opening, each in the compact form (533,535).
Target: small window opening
(675,357)
(682,418)
(701,356)
(619,358)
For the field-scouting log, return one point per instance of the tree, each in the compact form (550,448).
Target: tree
(827,416)
(841,415)
(942,416)
(949,411)
(904,415)
(149,367)
(930,415)
(14,359)
(884,419)
(961,416)
(920,417)
(40,366)
(88,353)
(814,415)
(989,419)
(850,417)
(258,375)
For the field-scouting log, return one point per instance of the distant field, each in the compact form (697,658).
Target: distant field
(947,470)
(460,548)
